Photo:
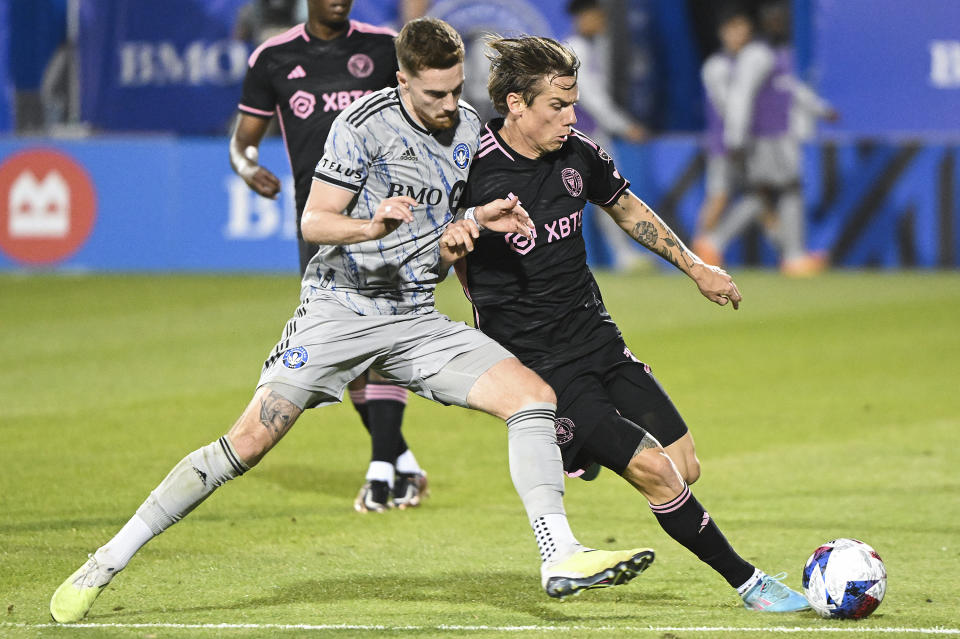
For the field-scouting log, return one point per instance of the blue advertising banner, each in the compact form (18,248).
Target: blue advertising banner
(172,204)
(160,204)
(889,65)
(6,81)
(140,70)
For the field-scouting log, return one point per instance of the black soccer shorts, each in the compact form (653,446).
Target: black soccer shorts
(606,403)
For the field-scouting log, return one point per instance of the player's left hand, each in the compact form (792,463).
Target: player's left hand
(458,240)
(505,215)
(716,285)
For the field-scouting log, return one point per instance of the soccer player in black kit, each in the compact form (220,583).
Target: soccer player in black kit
(538,298)
(306,76)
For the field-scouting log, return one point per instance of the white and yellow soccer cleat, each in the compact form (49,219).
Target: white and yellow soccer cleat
(73,599)
(594,569)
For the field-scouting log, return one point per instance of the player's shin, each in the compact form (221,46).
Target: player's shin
(685,519)
(537,472)
(191,481)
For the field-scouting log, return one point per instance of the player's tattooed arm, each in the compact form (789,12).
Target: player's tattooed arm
(277,415)
(646,227)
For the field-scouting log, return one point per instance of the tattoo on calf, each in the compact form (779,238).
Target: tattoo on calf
(647,442)
(277,414)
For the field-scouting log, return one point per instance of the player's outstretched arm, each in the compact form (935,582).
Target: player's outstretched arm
(505,215)
(323,220)
(244,155)
(646,227)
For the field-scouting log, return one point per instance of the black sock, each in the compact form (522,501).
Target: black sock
(359,401)
(684,519)
(385,406)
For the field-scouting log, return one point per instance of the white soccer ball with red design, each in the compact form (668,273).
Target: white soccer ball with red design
(844,579)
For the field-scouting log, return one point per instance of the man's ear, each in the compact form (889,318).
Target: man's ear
(402,79)
(515,103)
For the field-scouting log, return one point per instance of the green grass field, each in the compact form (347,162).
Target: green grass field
(823,408)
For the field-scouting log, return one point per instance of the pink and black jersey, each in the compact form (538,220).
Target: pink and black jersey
(538,297)
(307,82)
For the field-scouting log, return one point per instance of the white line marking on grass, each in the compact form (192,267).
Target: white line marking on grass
(444,627)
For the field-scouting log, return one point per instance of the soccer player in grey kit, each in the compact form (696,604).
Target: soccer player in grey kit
(305,77)
(394,166)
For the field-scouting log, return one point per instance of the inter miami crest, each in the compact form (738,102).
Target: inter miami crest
(564,429)
(360,65)
(573,181)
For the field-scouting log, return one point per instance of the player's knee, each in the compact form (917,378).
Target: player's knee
(691,470)
(541,392)
(249,449)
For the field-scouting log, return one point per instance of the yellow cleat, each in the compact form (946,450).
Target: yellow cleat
(594,569)
(73,599)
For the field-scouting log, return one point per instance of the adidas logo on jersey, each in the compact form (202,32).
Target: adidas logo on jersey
(409,155)
(298,72)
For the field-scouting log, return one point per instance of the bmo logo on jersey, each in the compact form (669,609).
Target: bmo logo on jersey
(422,195)
(47,206)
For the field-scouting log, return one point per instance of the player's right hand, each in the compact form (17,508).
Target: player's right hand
(716,285)
(505,215)
(391,213)
(262,181)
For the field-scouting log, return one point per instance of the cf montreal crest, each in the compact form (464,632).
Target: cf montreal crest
(573,181)
(564,428)
(295,357)
(461,155)
(360,65)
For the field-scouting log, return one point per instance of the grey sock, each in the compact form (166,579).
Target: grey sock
(535,464)
(189,483)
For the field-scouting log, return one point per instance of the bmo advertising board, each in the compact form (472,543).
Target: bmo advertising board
(48,207)
(889,66)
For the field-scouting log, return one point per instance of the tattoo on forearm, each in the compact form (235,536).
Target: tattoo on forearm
(646,233)
(647,442)
(277,414)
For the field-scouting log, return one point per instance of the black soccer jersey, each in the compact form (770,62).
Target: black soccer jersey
(538,297)
(307,82)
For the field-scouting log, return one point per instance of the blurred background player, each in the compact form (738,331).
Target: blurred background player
(306,76)
(751,89)
(599,115)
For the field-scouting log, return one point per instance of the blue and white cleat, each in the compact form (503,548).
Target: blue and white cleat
(770,595)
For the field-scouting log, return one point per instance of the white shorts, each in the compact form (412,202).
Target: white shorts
(326,345)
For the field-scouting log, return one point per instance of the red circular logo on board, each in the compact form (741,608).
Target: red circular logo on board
(47,206)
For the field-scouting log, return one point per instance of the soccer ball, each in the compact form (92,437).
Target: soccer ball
(844,579)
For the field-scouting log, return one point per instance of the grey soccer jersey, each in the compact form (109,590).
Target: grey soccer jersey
(377,150)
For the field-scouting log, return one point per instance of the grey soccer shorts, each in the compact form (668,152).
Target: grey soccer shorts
(325,345)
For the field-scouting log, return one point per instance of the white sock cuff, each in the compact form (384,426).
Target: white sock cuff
(407,463)
(751,582)
(381,471)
